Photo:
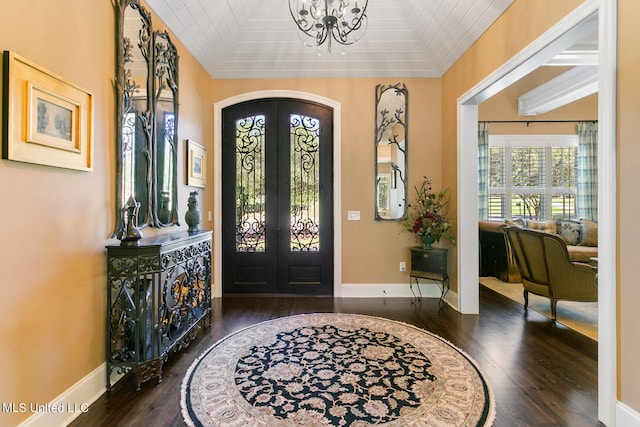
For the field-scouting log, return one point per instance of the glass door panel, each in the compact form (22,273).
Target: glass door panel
(305,183)
(250,184)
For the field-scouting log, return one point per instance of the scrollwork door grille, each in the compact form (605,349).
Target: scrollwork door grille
(305,183)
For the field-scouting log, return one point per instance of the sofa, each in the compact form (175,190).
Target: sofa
(496,257)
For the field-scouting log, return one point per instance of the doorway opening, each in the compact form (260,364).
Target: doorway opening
(604,11)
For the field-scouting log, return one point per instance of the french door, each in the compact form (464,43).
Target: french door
(277,198)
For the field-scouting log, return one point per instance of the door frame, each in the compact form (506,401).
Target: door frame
(216,288)
(521,64)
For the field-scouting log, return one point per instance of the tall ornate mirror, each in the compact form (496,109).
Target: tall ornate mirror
(391,152)
(166,129)
(146,87)
(133,77)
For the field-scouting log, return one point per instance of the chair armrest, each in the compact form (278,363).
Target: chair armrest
(571,280)
(584,266)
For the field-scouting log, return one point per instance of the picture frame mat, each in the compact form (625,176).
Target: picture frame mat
(196,164)
(39,96)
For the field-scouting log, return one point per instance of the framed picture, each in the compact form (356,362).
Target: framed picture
(45,119)
(196,164)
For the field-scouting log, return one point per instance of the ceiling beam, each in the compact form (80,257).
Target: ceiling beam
(568,87)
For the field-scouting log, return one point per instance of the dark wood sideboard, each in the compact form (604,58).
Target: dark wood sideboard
(429,264)
(159,297)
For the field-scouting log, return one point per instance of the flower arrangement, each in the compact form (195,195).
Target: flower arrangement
(426,217)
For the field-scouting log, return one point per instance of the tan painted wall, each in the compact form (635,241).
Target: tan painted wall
(371,250)
(56,222)
(628,202)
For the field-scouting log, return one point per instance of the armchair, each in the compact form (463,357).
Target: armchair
(547,270)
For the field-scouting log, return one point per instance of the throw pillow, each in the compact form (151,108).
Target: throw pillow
(546,226)
(570,231)
(520,222)
(589,233)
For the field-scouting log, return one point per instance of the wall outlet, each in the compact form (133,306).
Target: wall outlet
(403,266)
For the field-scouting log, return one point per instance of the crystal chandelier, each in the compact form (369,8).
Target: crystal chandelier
(327,20)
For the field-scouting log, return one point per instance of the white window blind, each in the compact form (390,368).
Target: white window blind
(532,176)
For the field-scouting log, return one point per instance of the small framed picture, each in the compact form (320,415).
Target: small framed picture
(196,164)
(46,119)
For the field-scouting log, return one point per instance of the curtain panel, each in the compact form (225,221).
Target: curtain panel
(587,198)
(483,171)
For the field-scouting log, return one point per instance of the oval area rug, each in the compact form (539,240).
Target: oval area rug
(335,370)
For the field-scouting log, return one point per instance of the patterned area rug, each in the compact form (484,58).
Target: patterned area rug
(335,370)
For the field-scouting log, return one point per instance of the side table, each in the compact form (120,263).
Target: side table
(429,264)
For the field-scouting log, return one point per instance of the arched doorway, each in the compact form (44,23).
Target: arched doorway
(217,185)
(277,197)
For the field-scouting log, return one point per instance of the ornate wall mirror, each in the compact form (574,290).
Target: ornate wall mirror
(146,87)
(391,152)
(133,77)
(166,129)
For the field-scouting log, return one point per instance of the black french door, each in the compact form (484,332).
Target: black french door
(277,198)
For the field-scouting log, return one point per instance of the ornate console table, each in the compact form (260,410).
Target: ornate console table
(159,297)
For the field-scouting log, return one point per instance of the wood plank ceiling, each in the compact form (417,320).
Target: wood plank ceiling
(258,38)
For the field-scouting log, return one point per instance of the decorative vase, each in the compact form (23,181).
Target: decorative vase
(192,217)
(427,241)
(130,234)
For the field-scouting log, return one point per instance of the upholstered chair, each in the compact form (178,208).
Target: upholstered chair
(547,270)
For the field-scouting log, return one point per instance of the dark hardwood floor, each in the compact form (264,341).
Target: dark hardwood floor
(541,373)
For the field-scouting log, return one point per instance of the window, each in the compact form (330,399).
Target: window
(532,176)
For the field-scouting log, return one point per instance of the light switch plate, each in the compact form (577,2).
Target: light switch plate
(353,215)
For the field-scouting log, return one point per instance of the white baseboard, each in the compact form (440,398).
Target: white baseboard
(388,290)
(71,403)
(625,416)
(396,290)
